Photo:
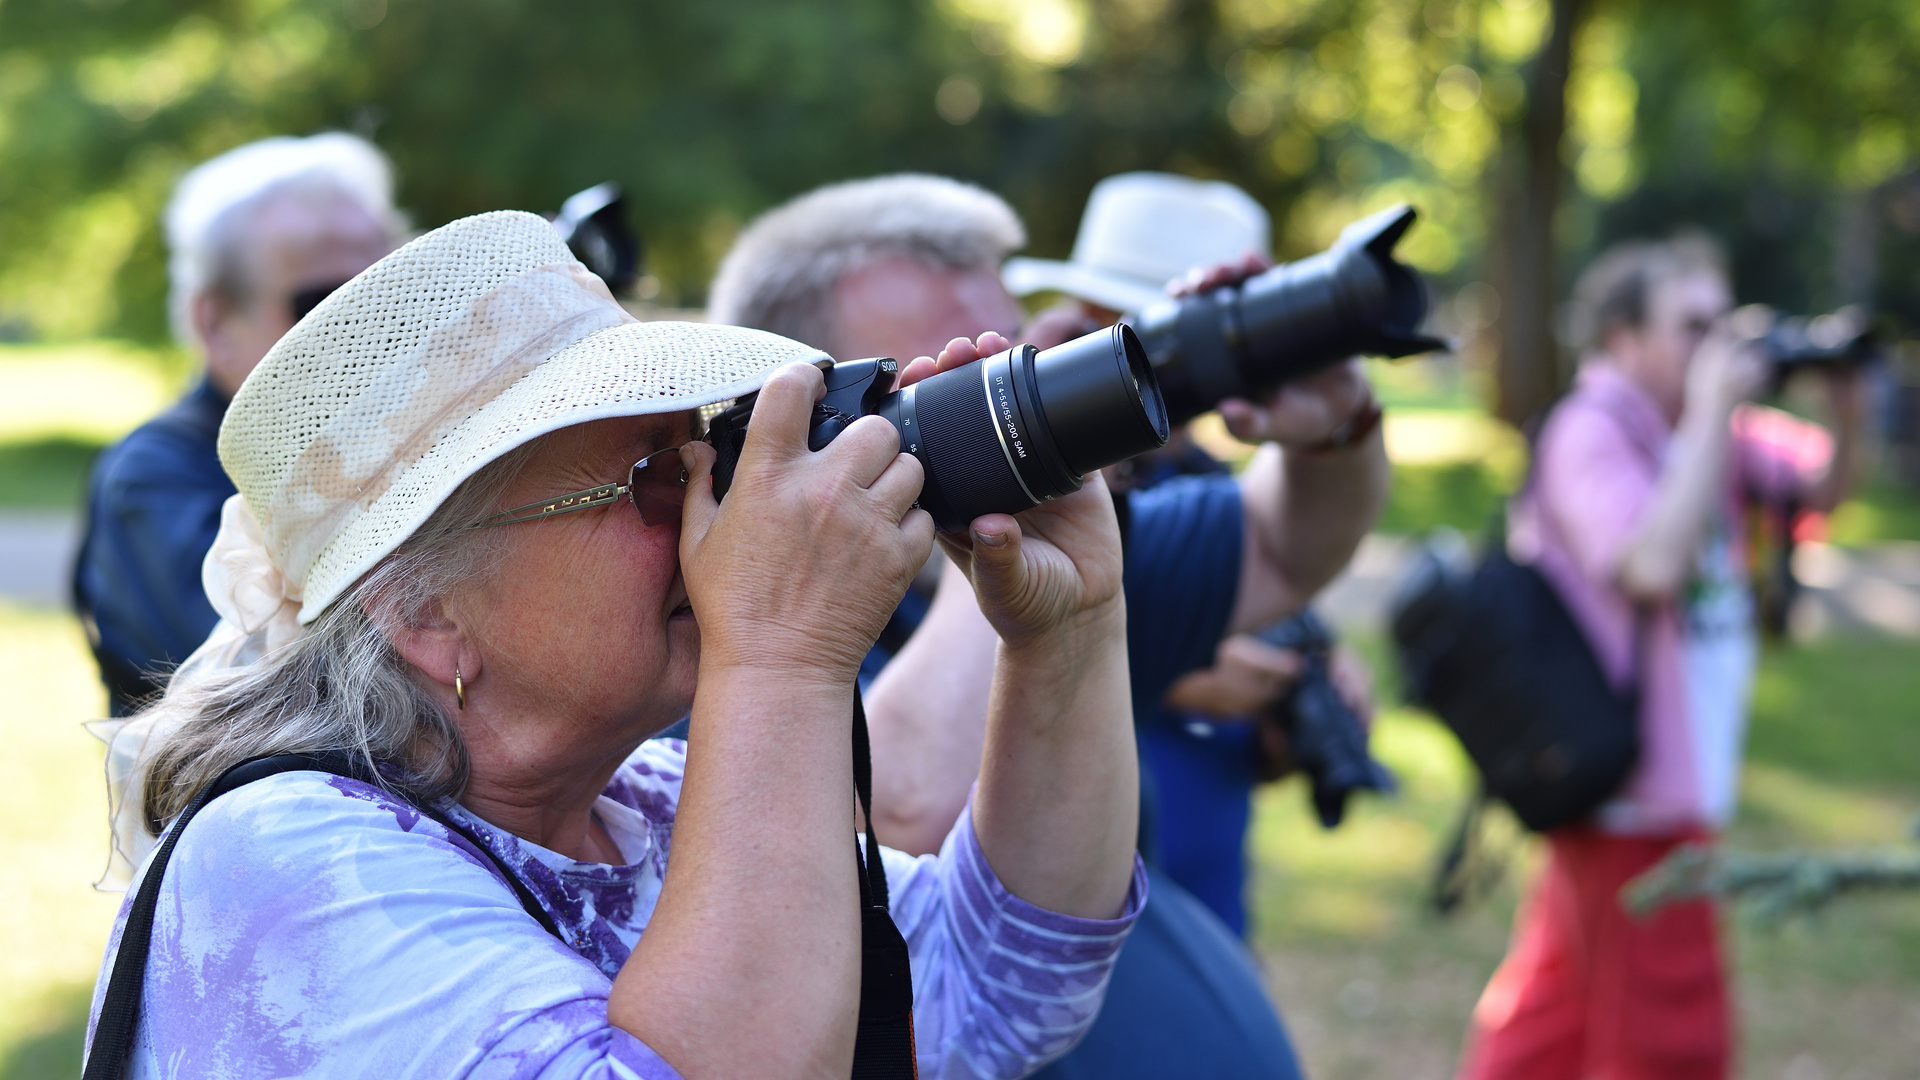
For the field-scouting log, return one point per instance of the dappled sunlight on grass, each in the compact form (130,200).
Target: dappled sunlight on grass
(53,838)
(95,391)
(1365,878)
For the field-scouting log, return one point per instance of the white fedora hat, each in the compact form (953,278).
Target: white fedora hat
(1140,231)
(465,343)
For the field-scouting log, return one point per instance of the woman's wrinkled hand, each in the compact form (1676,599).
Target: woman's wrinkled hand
(1044,573)
(802,564)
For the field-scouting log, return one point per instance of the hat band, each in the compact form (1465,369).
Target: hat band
(364,449)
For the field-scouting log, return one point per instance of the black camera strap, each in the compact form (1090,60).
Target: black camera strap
(883,1048)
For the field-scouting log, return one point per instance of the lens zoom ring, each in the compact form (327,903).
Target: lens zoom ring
(967,473)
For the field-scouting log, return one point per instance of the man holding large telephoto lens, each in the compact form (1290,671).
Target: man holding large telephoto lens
(899,266)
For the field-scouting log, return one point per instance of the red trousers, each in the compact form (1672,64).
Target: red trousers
(1588,991)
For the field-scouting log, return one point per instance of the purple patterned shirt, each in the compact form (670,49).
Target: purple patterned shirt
(312,925)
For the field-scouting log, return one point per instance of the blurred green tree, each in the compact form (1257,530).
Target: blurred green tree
(1786,125)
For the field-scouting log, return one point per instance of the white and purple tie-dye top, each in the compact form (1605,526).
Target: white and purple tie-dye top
(311,925)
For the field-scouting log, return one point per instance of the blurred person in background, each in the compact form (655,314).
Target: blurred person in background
(1633,515)
(257,237)
(897,266)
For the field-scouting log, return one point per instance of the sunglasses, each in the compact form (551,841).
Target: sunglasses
(304,301)
(656,485)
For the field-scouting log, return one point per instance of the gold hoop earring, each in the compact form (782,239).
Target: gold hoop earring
(459,687)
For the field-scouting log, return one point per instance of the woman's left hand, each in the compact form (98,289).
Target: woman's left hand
(1046,570)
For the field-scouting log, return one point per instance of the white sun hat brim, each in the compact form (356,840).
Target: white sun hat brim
(1142,230)
(1116,292)
(634,369)
(471,340)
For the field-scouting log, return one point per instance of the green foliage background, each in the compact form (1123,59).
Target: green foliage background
(1771,121)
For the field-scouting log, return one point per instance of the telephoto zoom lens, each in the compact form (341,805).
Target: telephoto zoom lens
(1024,426)
(995,437)
(1244,340)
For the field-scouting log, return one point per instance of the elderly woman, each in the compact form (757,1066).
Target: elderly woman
(436,566)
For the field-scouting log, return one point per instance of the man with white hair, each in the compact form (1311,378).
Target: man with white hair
(897,266)
(257,237)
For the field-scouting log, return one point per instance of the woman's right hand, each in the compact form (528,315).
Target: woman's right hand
(800,567)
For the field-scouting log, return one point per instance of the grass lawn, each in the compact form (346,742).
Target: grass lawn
(45,474)
(59,404)
(53,842)
(1375,985)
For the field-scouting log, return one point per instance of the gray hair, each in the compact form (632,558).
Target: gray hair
(340,686)
(207,217)
(781,273)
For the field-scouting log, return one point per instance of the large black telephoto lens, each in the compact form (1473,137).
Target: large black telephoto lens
(996,437)
(1245,340)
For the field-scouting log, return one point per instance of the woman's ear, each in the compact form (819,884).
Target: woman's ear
(430,638)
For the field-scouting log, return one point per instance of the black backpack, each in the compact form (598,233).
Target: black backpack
(1491,649)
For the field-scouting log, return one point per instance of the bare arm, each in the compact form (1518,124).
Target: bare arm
(1058,804)
(927,713)
(1306,510)
(1657,559)
(750,965)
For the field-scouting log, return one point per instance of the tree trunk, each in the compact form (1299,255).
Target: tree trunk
(1526,190)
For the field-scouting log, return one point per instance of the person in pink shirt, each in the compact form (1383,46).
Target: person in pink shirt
(1634,515)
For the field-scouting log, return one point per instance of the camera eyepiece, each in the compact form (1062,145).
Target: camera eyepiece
(1290,321)
(1015,430)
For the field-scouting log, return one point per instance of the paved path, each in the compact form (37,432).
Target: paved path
(36,555)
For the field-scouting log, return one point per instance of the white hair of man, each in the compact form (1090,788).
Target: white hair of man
(204,221)
(782,272)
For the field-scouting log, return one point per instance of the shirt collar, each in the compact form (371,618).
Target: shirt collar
(1631,407)
(205,393)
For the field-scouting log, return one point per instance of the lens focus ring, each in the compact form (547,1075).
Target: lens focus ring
(966,469)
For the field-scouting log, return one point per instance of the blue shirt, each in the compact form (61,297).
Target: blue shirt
(153,507)
(1182,577)
(1185,997)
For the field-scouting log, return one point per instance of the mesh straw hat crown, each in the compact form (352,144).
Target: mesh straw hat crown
(1140,231)
(458,347)
(464,344)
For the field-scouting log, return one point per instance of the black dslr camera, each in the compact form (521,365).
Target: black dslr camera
(1839,339)
(594,225)
(996,437)
(1246,339)
(1323,736)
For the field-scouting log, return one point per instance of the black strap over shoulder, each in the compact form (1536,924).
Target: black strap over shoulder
(120,1005)
(883,1047)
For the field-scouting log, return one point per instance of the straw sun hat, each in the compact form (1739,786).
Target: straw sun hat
(464,344)
(1140,231)
(471,340)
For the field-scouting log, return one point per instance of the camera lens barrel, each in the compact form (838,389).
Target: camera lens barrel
(997,437)
(1024,426)
(1295,319)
